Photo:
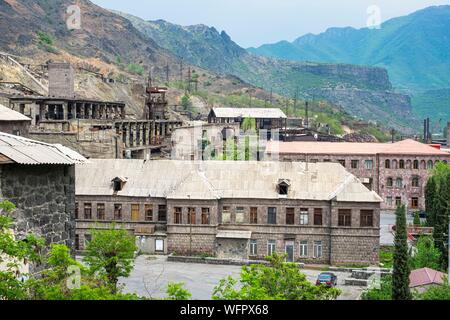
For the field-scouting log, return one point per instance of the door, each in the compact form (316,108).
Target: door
(290,251)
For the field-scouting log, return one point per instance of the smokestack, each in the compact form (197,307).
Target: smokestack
(428,131)
(425,134)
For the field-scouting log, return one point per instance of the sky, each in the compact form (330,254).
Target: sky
(256,22)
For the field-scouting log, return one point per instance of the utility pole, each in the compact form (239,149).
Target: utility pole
(307,115)
(167,73)
(181,70)
(189,80)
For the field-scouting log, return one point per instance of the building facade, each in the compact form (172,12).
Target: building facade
(398,172)
(13,122)
(316,213)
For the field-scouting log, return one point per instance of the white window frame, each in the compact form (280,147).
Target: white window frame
(318,249)
(304,218)
(253,247)
(303,249)
(271,247)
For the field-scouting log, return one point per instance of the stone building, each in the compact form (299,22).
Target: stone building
(61,78)
(398,172)
(39,179)
(266,118)
(316,213)
(13,122)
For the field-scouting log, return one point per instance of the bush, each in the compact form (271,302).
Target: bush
(384,292)
(44,38)
(135,69)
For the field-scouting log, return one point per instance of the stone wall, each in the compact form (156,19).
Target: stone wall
(61,79)
(45,200)
(20,128)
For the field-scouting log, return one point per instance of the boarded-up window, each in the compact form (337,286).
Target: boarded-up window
(88,211)
(366,218)
(290,216)
(192,218)
(272,215)
(318,217)
(117,212)
(205,216)
(134,212)
(240,215)
(162,213)
(345,218)
(177,215)
(226,215)
(148,212)
(101,212)
(254,215)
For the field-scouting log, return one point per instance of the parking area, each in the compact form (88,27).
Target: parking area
(152,274)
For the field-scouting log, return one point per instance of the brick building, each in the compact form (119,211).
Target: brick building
(316,213)
(398,172)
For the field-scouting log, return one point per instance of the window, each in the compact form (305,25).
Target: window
(399,183)
(117,212)
(303,248)
(101,211)
(390,182)
(355,164)
(254,215)
(290,216)
(387,164)
(415,203)
(366,218)
(253,247)
(159,245)
(318,249)
(177,215)
(430,165)
(369,164)
(342,162)
(87,211)
(240,215)
(416,164)
(271,247)
(389,201)
(415,182)
(77,242)
(304,217)
(283,189)
(134,212)
(318,217)
(192,216)
(87,239)
(148,212)
(326,160)
(272,215)
(226,215)
(76,210)
(398,201)
(162,213)
(401,164)
(345,218)
(205,216)
(394,164)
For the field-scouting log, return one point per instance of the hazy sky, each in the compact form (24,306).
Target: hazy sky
(255,22)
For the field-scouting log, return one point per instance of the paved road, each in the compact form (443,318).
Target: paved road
(386,221)
(152,274)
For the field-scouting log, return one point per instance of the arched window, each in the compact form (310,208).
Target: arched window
(430,165)
(401,164)
(394,164)
(408,164)
(390,182)
(415,182)
(399,183)
(387,164)
(423,165)
(416,165)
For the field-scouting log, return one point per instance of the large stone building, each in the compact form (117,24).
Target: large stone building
(13,122)
(398,172)
(316,213)
(40,180)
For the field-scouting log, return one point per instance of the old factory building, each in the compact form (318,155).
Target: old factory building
(316,213)
(398,172)
(13,122)
(39,179)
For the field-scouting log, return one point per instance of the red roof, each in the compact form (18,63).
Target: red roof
(424,277)
(410,147)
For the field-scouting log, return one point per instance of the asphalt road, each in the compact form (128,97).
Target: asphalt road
(387,220)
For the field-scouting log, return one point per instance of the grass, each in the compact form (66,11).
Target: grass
(387,256)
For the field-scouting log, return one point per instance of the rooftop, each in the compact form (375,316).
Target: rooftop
(258,113)
(14,149)
(425,276)
(404,147)
(212,180)
(7,114)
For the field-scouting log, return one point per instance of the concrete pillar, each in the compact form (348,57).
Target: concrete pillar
(65,111)
(82,110)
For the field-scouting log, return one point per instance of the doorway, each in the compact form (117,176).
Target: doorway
(289,251)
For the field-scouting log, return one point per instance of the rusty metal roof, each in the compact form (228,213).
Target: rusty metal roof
(213,180)
(30,152)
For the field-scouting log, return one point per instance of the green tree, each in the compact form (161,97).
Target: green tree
(430,195)
(400,277)
(176,291)
(110,255)
(383,292)
(417,221)
(277,281)
(249,124)
(434,293)
(426,255)
(186,102)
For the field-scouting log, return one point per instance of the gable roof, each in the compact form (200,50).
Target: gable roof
(405,147)
(257,113)
(212,180)
(7,114)
(425,276)
(30,152)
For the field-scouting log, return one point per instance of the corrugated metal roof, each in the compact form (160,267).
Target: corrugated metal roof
(258,113)
(7,114)
(25,151)
(211,180)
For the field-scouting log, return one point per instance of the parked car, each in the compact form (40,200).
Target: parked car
(327,279)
